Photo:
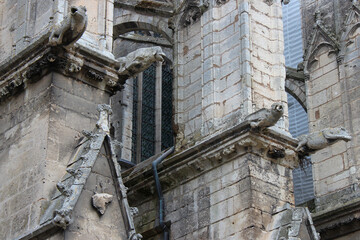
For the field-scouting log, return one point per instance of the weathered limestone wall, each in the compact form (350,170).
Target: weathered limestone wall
(231,194)
(227,65)
(88,222)
(24,22)
(24,132)
(332,52)
(227,188)
(99,31)
(234,201)
(40,128)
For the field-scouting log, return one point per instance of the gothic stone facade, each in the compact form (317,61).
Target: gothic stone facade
(225,178)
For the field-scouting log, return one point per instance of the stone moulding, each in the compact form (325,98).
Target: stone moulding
(192,11)
(322,36)
(295,223)
(330,222)
(209,154)
(40,59)
(149,6)
(350,25)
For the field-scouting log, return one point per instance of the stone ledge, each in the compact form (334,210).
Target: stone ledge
(39,59)
(159,8)
(338,221)
(209,154)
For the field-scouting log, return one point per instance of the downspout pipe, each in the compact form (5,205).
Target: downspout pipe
(163,227)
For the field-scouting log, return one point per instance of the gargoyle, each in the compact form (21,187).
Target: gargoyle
(139,60)
(101,200)
(320,139)
(266,117)
(71,28)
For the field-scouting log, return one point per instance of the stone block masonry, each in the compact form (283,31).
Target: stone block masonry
(228,64)
(40,129)
(227,189)
(331,97)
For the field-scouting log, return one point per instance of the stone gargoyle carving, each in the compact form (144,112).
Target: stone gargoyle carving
(193,11)
(266,117)
(71,28)
(320,139)
(101,200)
(139,60)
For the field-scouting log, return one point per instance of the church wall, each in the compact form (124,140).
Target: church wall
(24,130)
(332,97)
(40,128)
(227,64)
(231,195)
(23,22)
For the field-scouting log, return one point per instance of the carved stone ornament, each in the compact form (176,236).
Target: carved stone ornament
(266,117)
(321,139)
(271,2)
(95,76)
(11,88)
(62,218)
(322,36)
(136,236)
(103,122)
(101,200)
(71,28)
(220,2)
(139,60)
(193,11)
(134,211)
(37,68)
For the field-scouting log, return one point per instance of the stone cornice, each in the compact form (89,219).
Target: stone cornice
(347,217)
(210,153)
(155,7)
(39,59)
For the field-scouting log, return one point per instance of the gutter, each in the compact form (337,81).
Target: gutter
(163,227)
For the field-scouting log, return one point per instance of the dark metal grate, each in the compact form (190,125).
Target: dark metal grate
(167,139)
(148,113)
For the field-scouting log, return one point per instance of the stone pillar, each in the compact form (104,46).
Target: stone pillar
(229,63)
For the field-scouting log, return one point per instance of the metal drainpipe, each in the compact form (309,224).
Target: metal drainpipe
(155,163)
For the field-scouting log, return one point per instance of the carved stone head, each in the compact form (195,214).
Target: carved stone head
(277,108)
